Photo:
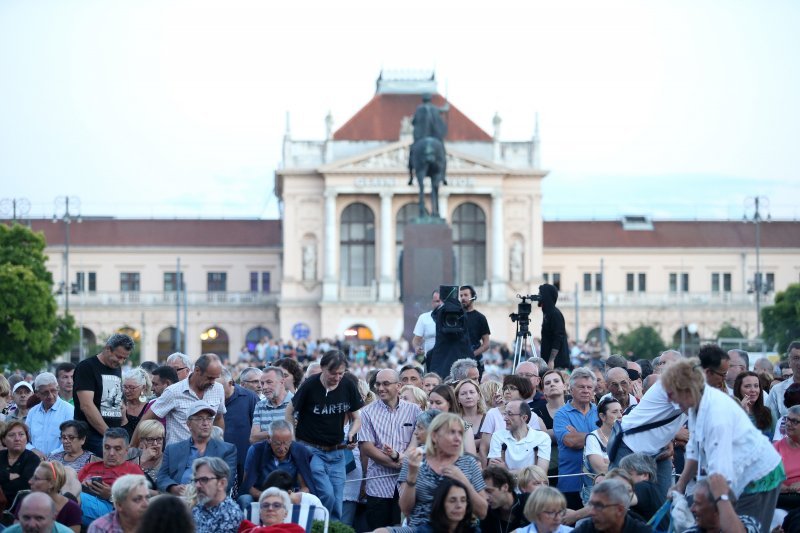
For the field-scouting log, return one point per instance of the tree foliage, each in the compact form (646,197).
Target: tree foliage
(781,321)
(643,342)
(31,332)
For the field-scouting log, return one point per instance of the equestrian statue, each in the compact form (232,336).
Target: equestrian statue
(427,158)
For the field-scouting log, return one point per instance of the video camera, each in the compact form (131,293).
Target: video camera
(523,315)
(453,320)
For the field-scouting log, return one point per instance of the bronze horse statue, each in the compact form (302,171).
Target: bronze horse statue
(428,160)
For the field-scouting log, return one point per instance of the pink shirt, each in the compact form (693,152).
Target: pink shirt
(791,460)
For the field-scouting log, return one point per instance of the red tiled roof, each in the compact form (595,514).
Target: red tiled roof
(673,234)
(380,120)
(154,232)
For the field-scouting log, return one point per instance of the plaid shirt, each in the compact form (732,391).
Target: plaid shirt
(108,523)
(382,425)
(266,413)
(174,405)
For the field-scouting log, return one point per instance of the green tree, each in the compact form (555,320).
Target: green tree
(782,320)
(31,332)
(729,332)
(643,342)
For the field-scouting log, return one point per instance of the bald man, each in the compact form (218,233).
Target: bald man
(37,514)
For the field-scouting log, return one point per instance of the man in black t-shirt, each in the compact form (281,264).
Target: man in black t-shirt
(506,506)
(322,404)
(97,390)
(477,325)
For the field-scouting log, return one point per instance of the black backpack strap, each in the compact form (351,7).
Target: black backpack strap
(651,425)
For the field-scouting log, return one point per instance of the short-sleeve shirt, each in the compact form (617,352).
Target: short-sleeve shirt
(266,413)
(106,384)
(428,481)
(109,474)
(321,413)
(477,327)
(520,453)
(222,518)
(570,461)
(174,404)
(426,328)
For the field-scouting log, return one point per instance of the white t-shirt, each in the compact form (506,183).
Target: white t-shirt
(426,328)
(522,453)
(592,445)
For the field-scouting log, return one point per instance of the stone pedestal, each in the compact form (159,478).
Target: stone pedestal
(427,263)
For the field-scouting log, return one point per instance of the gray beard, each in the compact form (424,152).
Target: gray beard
(202,499)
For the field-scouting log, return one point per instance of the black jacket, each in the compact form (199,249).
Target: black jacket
(554,334)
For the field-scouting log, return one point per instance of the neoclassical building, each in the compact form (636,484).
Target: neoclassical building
(331,265)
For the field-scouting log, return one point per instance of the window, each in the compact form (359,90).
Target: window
(85,282)
(171,281)
(469,244)
(769,284)
(636,282)
(357,234)
(217,281)
(255,278)
(129,281)
(673,281)
(553,278)
(720,282)
(404,216)
(592,282)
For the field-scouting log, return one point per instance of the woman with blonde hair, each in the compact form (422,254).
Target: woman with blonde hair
(150,436)
(5,394)
(444,457)
(492,392)
(136,388)
(471,407)
(724,441)
(413,394)
(531,478)
(545,509)
(49,477)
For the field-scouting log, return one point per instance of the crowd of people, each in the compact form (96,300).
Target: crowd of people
(382,445)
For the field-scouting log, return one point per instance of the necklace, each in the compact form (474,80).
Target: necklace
(605,437)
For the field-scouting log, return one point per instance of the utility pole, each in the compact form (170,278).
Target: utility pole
(67,217)
(756,203)
(14,207)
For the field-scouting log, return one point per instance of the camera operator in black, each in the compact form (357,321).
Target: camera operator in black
(555,349)
(477,326)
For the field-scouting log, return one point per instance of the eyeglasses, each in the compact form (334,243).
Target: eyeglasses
(792,421)
(152,440)
(202,419)
(68,437)
(202,480)
(385,383)
(561,513)
(274,505)
(511,414)
(131,387)
(601,506)
(181,368)
(718,372)
(252,381)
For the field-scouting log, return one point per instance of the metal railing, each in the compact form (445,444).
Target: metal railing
(168,299)
(666,299)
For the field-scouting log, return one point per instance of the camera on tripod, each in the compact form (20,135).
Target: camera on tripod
(523,315)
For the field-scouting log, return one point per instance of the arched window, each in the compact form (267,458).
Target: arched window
(404,216)
(358,246)
(167,343)
(83,347)
(255,335)
(215,340)
(469,244)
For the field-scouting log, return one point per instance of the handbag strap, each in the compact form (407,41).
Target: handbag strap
(651,425)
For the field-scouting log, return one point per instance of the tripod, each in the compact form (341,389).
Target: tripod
(523,336)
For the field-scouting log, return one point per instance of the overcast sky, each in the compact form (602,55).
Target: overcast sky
(675,109)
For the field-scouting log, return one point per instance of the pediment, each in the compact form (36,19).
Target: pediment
(394,157)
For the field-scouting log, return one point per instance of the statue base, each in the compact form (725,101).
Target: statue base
(427,263)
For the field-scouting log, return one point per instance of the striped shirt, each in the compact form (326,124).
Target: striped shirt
(382,425)
(174,405)
(266,413)
(428,481)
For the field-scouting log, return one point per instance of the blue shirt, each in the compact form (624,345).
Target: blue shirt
(570,461)
(44,425)
(239,419)
(194,453)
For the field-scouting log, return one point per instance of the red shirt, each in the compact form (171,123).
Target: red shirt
(109,474)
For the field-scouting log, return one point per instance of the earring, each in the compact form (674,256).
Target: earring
(142,397)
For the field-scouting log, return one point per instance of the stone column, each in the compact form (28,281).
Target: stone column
(330,282)
(386,281)
(498,284)
(537,238)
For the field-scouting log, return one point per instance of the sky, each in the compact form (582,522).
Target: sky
(673,109)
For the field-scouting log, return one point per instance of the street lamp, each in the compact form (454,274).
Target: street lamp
(14,207)
(62,205)
(755,204)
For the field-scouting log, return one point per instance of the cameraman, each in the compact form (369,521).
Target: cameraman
(477,325)
(555,349)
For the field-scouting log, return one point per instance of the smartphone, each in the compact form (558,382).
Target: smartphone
(96,479)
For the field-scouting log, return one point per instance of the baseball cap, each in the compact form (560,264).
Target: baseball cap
(23,384)
(199,406)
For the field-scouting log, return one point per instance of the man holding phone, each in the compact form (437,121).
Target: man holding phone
(96,478)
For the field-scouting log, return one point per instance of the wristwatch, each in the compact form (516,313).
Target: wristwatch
(723,497)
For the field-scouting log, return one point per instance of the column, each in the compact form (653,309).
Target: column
(498,284)
(386,281)
(330,282)
(536,245)
(443,198)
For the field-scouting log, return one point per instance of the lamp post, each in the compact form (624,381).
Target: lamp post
(62,206)
(756,204)
(14,207)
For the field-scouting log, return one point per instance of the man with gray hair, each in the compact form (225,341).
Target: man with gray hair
(45,417)
(608,508)
(738,362)
(130,495)
(250,379)
(181,363)
(215,511)
(571,424)
(37,514)
(465,369)
(273,406)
